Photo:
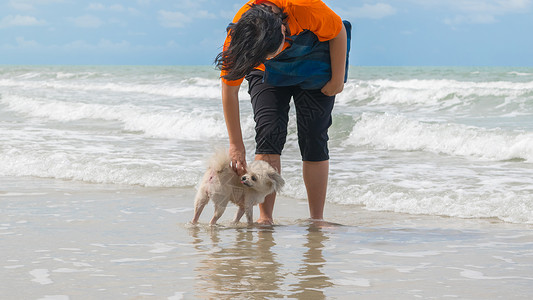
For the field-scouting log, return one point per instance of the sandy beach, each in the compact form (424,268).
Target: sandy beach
(73,240)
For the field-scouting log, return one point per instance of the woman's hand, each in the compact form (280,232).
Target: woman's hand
(333,87)
(237,155)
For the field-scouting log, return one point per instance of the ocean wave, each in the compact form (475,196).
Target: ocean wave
(193,125)
(194,88)
(520,73)
(438,94)
(507,206)
(396,132)
(45,74)
(513,206)
(97,169)
(427,196)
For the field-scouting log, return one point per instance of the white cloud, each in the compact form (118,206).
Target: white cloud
(19,5)
(18,20)
(23,43)
(477,11)
(143,2)
(96,6)
(137,33)
(370,11)
(107,44)
(173,19)
(475,19)
(491,6)
(485,12)
(204,14)
(75,45)
(20,44)
(31,4)
(100,6)
(103,44)
(133,11)
(112,8)
(178,19)
(87,21)
(117,7)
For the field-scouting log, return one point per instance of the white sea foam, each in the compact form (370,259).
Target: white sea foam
(129,260)
(55,297)
(195,89)
(176,296)
(161,248)
(471,274)
(20,194)
(419,254)
(520,73)
(195,125)
(41,276)
(396,132)
(438,94)
(95,169)
(508,206)
(353,281)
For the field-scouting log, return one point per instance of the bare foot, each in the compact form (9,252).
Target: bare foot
(265,222)
(322,223)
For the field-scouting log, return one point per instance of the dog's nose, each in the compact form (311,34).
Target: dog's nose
(243,178)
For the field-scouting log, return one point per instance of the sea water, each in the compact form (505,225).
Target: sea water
(448,141)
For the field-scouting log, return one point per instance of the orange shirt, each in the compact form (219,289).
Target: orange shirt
(312,15)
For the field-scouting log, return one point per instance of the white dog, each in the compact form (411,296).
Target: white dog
(221,184)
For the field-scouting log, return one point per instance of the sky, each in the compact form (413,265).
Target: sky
(191,32)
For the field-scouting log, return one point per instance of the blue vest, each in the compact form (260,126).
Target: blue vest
(306,63)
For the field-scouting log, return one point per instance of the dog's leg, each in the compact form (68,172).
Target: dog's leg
(249,210)
(200,201)
(219,210)
(238,215)
(220,207)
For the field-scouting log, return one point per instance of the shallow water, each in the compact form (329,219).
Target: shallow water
(73,240)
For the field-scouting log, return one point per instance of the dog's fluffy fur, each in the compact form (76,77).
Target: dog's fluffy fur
(221,184)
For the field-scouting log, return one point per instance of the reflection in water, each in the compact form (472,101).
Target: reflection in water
(241,263)
(245,267)
(312,280)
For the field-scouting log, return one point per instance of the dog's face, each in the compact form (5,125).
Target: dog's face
(261,177)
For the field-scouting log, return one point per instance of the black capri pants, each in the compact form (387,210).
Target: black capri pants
(271,114)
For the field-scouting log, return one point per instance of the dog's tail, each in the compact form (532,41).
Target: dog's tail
(219,161)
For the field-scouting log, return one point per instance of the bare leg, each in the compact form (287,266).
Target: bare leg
(267,208)
(315,176)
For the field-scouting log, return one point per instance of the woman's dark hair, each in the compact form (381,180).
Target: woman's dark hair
(256,35)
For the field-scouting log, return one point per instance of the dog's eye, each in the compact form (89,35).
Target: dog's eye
(254,178)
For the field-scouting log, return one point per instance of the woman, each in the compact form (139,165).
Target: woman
(268,42)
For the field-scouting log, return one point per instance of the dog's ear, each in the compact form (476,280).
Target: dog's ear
(277,180)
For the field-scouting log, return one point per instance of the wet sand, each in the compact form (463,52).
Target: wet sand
(71,240)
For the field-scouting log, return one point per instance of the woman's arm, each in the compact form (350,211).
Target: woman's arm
(230,104)
(337,52)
